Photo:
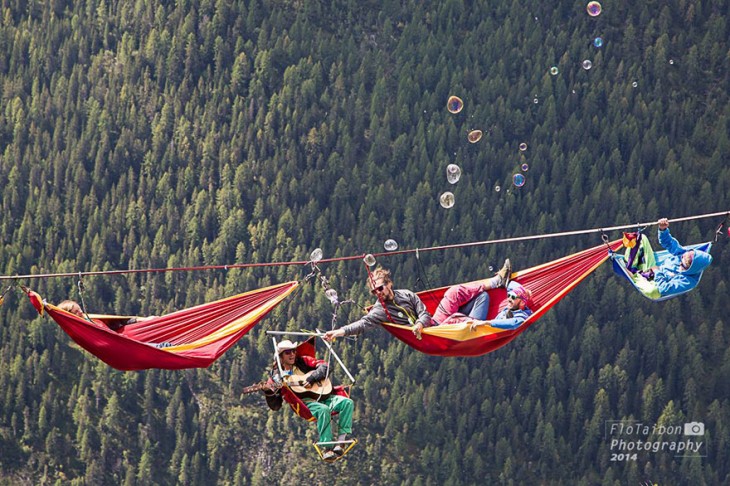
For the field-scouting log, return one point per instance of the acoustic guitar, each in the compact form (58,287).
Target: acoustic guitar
(296,384)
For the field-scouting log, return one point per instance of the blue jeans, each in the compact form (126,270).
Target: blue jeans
(477,307)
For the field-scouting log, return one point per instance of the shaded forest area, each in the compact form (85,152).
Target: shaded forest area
(165,134)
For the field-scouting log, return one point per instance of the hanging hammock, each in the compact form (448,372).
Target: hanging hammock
(189,338)
(548,283)
(646,287)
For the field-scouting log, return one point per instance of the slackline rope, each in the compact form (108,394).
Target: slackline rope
(355,257)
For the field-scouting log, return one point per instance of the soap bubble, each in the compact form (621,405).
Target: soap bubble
(447,200)
(474,136)
(598,42)
(593,9)
(331,295)
(497,188)
(536,101)
(671,61)
(554,70)
(316,255)
(454,105)
(390,245)
(523,147)
(369,260)
(518,180)
(587,64)
(491,268)
(453,173)
(634,84)
(525,167)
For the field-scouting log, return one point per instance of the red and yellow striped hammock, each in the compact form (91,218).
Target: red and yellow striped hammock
(548,282)
(189,338)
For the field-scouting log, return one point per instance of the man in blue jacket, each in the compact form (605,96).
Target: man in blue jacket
(682,270)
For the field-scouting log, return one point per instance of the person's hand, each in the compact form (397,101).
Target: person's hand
(330,336)
(663,224)
(417,330)
(306,384)
(476,324)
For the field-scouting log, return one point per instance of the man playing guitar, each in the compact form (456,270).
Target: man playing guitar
(305,380)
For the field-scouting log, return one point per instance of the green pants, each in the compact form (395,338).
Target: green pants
(322,411)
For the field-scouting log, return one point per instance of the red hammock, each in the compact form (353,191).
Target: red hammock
(548,282)
(192,338)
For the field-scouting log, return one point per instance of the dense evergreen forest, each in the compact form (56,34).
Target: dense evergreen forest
(139,134)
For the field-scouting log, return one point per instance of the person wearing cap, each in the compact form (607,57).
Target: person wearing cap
(400,306)
(681,270)
(516,311)
(322,409)
(466,301)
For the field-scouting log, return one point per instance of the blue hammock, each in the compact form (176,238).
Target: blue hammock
(648,288)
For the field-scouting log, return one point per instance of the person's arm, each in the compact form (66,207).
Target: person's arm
(320,369)
(273,395)
(666,239)
(503,322)
(372,319)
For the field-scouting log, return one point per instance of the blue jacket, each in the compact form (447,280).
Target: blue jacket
(671,278)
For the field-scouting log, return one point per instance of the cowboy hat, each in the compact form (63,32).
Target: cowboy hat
(285,345)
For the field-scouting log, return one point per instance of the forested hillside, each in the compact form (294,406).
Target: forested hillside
(166,134)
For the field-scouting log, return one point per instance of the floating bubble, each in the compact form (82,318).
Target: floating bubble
(536,101)
(554,70)
(587,64)
(331,295)
(598,42)
(369,260)
(447,200)
(523,147)
(594,9)
(474,136)
(453,174)
(525,167)
(671,61)
(518,180)
(497,188)
(316,255)
(390,245)
(491,268)
(454,105)
(634,84)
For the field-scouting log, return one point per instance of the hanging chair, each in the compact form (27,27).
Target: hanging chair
(648,288)
(189,338)
(548,283)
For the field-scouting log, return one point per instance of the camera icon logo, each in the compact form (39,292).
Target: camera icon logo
(694,428)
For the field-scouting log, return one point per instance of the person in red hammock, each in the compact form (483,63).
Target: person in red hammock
(320,407)
(74,308)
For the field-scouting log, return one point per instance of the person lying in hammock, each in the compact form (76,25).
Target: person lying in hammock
(470,300)
(321,409)
(399,306)
(74,308)
(516,311)
(682,270)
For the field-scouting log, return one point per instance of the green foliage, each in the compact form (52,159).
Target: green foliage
(156,134)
